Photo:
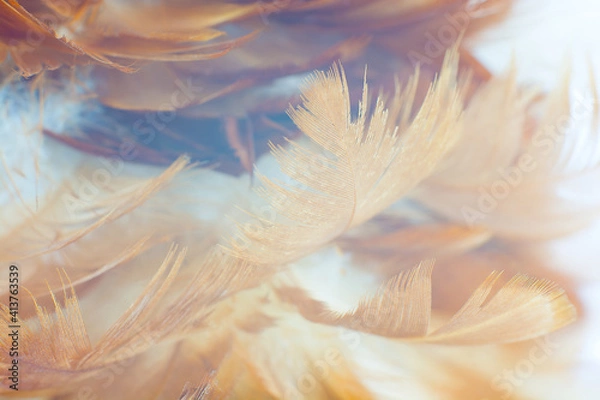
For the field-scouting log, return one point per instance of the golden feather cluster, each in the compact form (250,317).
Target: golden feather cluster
(363,245)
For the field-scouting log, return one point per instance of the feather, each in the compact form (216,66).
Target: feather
(34,45)
(260,366)
(59,351)
(496,135)
(522,309)
(200,392)
(417,242)
(232,82)
(52,347)
(355,169)
(226,324)
(30,56)
(523,184)
(43,229)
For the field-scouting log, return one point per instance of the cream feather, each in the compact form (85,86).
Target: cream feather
(522,309)
(354,168)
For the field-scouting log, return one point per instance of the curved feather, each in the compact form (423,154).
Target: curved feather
(353,168)
(523,308)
